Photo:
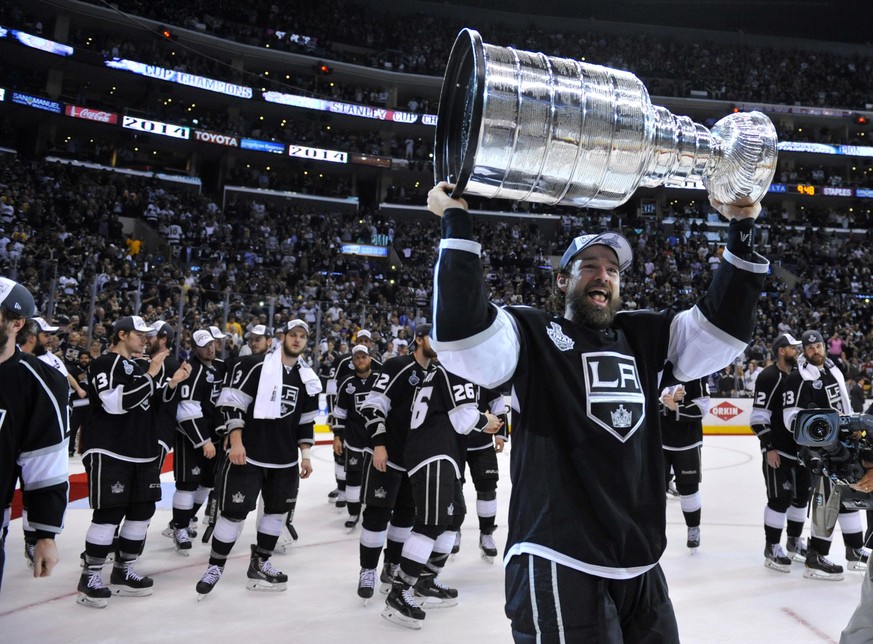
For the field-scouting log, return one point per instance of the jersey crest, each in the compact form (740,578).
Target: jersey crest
(128,367)
(289,400)
(615,399)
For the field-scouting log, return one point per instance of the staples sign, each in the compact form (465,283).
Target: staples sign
(91,115)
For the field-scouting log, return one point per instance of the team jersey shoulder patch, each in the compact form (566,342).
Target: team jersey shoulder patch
(559,338)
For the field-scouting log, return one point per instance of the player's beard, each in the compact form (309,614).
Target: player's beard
(590,315)
(791,361)
(39,349)
(291,353)
(816,359)
(4,335)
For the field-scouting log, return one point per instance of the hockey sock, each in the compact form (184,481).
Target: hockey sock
(486,509)
(796,519)
(183,508)
(227,531)
(269,528)
(416,551)
(850,524)
(371,547)
(774,522)
(353,497)
(98,541)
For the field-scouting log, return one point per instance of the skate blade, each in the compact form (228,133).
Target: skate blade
(201,596)
(797,557)
(384,589)
(91,602)
(183,552)
(366,600)
(435,603)
(167,532)
(349,530)
(693,551)
(777,567)
(124,591)
(850,565)
(397,618)
(265,586)
(488,558)
(823,576)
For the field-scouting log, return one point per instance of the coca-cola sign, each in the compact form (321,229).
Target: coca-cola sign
(91,114)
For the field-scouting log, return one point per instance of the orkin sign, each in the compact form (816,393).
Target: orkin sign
(91,115)
(218,139)
(725,410)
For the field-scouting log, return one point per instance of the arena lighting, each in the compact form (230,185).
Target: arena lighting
(325,69)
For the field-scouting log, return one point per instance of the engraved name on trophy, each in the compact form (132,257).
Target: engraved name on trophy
(528,127)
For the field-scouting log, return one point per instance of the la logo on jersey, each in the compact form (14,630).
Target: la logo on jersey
(289,400)
(615,399)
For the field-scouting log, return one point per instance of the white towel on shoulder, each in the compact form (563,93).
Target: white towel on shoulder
(268,402)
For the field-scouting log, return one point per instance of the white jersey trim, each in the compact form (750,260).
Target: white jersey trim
(537,550)
(752,267)
(467,245)
(698,348)
(488,358)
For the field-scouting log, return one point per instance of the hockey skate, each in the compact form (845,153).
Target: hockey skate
(818,567)
(366,584)
(182,541)
(797,549)
(208,580)
(401,607)
(93,593)
(126,582)
(352,522)
(432,594)
(672,492)
(263,576)
(775,558)
(487,547)
(856,558)
(693,541)
(331,496)
(457,547)
(29,554)
(387,576)
(340,500)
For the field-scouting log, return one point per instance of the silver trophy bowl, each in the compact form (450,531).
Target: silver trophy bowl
(529,127)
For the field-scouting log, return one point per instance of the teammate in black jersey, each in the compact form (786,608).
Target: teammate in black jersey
(342,368)
(819,383)
(587,512)
(787,479)
(33,432)
(198,422)
(481,457)
(386,491)
(683,408)
(269,405)
(121,455)
(351,437)
(445,406)
(161,340)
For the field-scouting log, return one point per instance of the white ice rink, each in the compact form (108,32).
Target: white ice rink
(721,594)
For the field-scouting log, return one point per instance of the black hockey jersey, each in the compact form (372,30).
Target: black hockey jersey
(197,416)
(349,424)
(683,428)
(388,408)
(166,402)
(766,419)
(811,387)
(445,407)
(269,442)
(123,398)
(33,436)
(587,462)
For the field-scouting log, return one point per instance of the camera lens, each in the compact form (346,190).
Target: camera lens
(819,430)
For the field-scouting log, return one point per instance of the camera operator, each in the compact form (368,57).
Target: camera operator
(859,630)
(818,383)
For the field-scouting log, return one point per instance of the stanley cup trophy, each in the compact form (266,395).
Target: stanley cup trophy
(528,127)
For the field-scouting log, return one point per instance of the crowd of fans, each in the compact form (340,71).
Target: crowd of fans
(60,225)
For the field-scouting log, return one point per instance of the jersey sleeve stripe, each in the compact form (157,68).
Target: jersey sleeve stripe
(698,347)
